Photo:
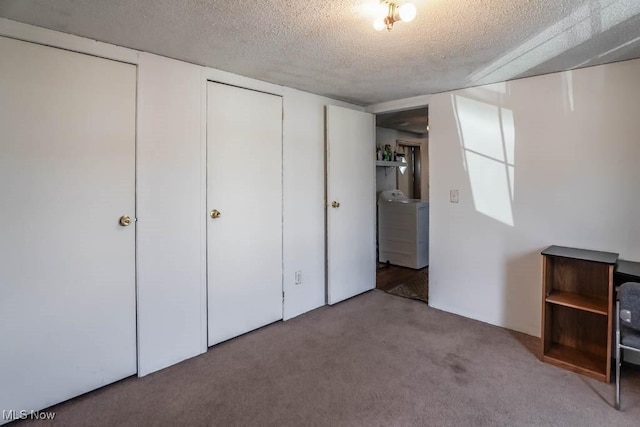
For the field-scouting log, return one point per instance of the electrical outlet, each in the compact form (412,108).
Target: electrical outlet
(298,277)
(453,196)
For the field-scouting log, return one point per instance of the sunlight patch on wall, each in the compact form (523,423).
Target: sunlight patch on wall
(490,188)
(507,123)
(567,83)
(487,138)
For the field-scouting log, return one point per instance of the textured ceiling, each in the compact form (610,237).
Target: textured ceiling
(415,121)
(329,47)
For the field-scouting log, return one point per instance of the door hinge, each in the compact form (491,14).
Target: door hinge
(282,296)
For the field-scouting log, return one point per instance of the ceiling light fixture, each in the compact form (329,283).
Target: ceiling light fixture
(389,12)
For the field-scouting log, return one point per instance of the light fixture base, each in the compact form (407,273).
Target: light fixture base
(391,13)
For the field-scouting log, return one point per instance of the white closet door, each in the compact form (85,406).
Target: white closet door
(351,214)
(244,184)
(67,268)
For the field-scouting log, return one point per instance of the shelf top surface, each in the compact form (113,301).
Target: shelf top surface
(582,254)
(628,268)
(390,163)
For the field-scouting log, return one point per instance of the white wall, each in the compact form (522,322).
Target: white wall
(572,140)
(171,222)
(304,199)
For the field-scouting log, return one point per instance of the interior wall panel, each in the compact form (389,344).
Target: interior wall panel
(171,264)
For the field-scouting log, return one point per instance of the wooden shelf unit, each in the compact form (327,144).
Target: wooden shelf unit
(577,310)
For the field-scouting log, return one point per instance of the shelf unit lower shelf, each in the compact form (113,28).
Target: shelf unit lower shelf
(591,365)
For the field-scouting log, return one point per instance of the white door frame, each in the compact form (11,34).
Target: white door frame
(404,105)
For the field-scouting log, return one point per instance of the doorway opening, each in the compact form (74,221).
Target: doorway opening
(410,176)
(402,192)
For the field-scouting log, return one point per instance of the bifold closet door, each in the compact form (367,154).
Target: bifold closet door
(67,266)
(244,200)
(351,203)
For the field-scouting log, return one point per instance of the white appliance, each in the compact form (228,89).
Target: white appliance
(403,230)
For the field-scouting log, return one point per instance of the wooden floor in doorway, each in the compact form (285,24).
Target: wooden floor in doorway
(388,276)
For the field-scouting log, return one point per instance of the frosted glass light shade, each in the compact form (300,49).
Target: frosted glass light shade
(382,10)
(407,12)
(379,24)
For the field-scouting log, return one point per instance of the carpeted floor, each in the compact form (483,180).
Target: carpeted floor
(375,360)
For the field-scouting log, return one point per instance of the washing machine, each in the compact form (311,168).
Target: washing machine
(403,230)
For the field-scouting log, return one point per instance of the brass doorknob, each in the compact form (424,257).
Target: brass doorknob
(335,204)
(125,220)
(215,214)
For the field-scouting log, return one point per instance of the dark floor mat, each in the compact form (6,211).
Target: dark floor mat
(416,288)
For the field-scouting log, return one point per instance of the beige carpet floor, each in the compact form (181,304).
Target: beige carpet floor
(374,360)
